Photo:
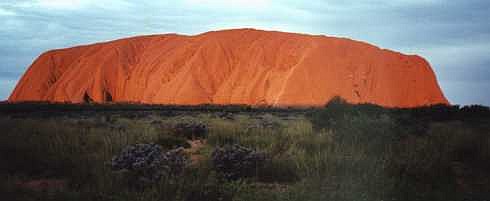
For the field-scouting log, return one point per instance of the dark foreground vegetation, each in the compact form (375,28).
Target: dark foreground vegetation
(340,152)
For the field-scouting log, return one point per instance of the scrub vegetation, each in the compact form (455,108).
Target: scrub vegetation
(239,153)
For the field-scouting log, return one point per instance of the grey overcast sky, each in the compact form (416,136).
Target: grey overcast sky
(453,35)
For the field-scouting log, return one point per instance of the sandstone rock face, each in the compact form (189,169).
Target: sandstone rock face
(241,66)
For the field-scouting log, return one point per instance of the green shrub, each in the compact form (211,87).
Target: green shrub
(146,163)
(191,130)
(235,161)
(334,113)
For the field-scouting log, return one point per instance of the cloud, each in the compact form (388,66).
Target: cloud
(5,87)
(63,4)
(454,36)
(5,12)
(68,5)
(242,4)
(468,92)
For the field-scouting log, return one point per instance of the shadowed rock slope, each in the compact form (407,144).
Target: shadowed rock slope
(242,66)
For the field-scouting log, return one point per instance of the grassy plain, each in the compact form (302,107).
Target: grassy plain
(340,152)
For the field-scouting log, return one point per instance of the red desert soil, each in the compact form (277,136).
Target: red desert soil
(43,185)
(241,66)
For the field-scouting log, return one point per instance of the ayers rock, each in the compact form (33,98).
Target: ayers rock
(241,66)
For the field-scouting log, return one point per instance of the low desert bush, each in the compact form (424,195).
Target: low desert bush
(191,130)
(234,161)
(146,163)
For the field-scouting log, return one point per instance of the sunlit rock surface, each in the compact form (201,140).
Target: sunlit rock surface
(241,66)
